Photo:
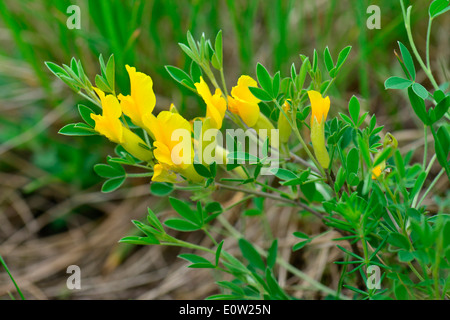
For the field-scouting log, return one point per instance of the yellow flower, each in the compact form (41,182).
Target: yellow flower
(389,141)
(319,111)
(173,144)
(319,106)
(163,174)
(109,125)
(216,104)
(142,99)
(243,103)
(284,127)
(376,172)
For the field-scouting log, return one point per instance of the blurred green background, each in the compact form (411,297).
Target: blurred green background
(42,169)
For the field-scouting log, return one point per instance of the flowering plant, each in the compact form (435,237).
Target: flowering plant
(303,155)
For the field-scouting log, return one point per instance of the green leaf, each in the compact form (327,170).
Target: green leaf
(264,79)
(441,148)
(252,212)
(329,64)
(138,240)
(112,184)
(193,258)
(147,230)
(85,114)
(231,286)
(161,189)
(418,184)
(397,83)
(56,70)
(260,94)
(438,7)
(418,106)
(202,170)
(405,256)
(315,61)
(110,72)
(300,235)
(74,66)
(101,84)
(343,55)
(218,252)
(443,136)
(213,207)
(188,51)
(407,60)
(420,90)
(217,58)
(399,163)
(354,109)
(400,291)
(74,129)
(364,149)
(250,253)
(352,161)
(300,245)
(284,174)
(154,221)
(440,109)
(300,80)
(105,171)
(276,84)
(181,225)
(180,75)
(196,72)
(382,156)
(242,156)
(213,169)
(398,240)
(272,254)
(184,210)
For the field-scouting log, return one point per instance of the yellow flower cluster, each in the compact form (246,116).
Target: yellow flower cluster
(173,149)
(167,129)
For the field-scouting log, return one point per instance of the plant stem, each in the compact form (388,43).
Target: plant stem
(299,137)
(210,236)
(407,19)
(139,175)
(427,171)
(435,180)
(272,196)
(12,278)
(430,21)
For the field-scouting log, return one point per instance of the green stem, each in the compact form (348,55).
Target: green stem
(416,197)
(12,278)
(272,196)
(139,175)
(265,186)
(425,151)
(435,180)
(225,93)
(210,236)
(299,137)
(430,21)
(407,19)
